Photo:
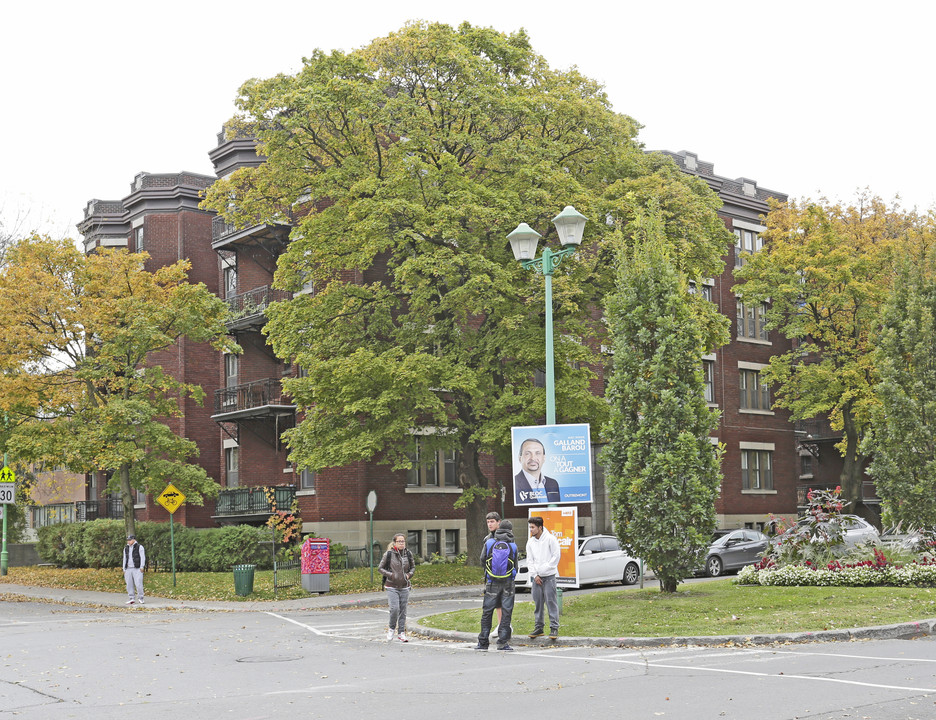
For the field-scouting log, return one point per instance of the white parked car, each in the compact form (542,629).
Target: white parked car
(600,559)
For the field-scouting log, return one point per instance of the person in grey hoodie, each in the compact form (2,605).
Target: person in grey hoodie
(397,566)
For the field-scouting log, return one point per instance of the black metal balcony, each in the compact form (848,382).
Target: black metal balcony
(110,508)
(225,234)
(247,309)
(251,503)
(256,399)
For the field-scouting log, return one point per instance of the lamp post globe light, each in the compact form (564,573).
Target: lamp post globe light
(570,224)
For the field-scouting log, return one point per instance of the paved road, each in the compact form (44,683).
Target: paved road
(59,661)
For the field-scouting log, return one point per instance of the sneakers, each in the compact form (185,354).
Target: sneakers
(482,648)
(536,634)
(389,634)
(402,637)
(141,601)
(553,634)
(506,648)
(129,602)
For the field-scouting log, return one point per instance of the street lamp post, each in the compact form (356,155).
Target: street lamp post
(570,225)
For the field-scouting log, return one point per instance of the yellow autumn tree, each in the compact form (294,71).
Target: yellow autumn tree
(76,382)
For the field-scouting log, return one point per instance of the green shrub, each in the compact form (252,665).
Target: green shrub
(73,553)
(102,543)
(51,545)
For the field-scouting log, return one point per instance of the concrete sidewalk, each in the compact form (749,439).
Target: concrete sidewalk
(902,631)
(313,602)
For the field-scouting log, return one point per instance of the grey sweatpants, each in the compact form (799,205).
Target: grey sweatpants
(545,592)
(397,598)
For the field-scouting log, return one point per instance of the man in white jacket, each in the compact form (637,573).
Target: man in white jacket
(543,563)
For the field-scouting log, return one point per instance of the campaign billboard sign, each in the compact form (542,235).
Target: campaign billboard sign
(563,523)
(551,464)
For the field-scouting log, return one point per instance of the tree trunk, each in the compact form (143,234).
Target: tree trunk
(852,477)
(475,486)
(126,497)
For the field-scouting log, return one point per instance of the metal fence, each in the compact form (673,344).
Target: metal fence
(285,574)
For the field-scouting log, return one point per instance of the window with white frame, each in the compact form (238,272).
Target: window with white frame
(754,392)
(705,289)
(138,238)
(306,479)
(752,321)
(231,365)
(230,277)
(747,242)
(708,377)
(757,468)
(232,466)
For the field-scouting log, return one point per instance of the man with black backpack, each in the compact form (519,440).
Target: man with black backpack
(499,559)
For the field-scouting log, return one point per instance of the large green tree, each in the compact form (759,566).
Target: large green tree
(902,443)
(76,373)
(662,471)
(403,166)
(824,274)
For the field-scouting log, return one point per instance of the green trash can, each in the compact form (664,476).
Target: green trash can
(243,579)
(559,599)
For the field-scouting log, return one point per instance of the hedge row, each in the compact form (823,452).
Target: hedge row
(99,544)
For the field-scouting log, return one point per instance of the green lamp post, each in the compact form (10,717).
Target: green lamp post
(570,225)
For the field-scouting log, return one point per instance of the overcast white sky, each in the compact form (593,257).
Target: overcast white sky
(807,98)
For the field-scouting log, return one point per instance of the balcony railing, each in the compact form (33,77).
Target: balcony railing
(248,308)
(81,511)
(111,508)
(253,500)
(221,229)
(250,396)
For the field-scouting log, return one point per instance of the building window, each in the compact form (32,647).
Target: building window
(431,468)
(746,242)
(230,370)
(451,543)
(754,391)
(138,239)
(706,289)
(306,479)
(414,542)
(231,466)
(433,545)
(140,497)
(806,469)
(752,321)
(230,279)
(756,470)
(708,377)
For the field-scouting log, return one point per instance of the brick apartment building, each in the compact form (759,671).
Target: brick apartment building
(239,428)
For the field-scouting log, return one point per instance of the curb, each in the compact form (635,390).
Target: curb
(899,631)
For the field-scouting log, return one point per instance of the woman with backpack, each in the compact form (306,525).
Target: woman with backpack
(397,567)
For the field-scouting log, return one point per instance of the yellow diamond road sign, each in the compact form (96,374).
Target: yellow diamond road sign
(7,475)
(171,499)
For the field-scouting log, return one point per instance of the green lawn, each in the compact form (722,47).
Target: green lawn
(220,586)
(716,608)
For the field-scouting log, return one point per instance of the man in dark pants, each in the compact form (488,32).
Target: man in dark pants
(500,568)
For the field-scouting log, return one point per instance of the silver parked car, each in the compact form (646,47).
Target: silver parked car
(734,550)
(600,559)
(855,530)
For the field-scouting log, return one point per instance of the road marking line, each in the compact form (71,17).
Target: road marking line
(296,622)
(697,668)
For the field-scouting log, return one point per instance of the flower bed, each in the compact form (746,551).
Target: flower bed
(919,573)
